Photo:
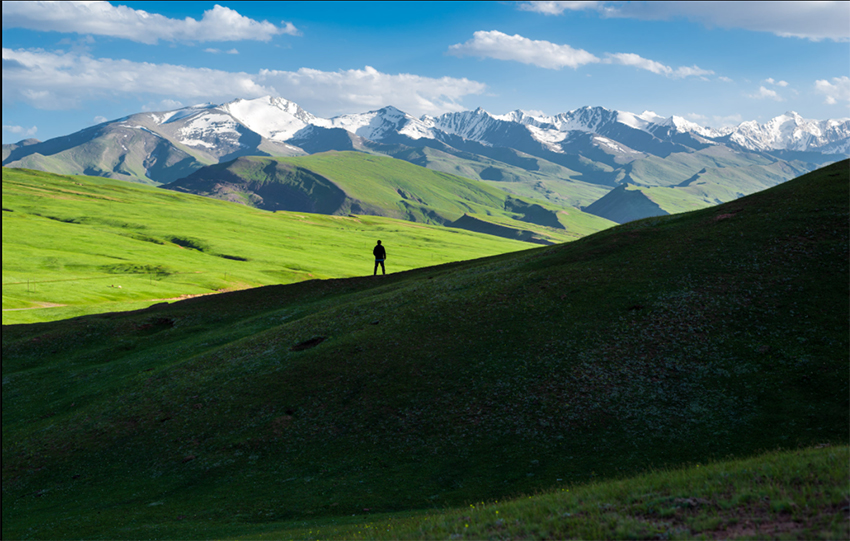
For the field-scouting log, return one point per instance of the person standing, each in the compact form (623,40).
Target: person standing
(380,255)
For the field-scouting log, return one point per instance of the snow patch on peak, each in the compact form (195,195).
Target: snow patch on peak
(376,125)
(277,119)
(682,125)
(638,122)
(533,118)
(613,145)
(651,116)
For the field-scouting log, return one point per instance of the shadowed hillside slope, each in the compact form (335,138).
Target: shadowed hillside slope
(664,341)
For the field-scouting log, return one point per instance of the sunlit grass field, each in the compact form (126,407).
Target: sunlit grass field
(93,245)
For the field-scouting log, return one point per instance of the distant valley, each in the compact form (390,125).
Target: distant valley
(616,165)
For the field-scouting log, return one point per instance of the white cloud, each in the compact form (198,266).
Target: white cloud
(162,105)
(20,130)
(102,18)
(766,93)
(631,59)
(837,90)
(219,51)
(330,93)
(545,54)
(100,119)
(809,20)
(771,81)
(64,80)
(556,8)
(725,79)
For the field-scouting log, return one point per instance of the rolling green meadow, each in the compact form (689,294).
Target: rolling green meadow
(359,183)
(684,376)
(75,245)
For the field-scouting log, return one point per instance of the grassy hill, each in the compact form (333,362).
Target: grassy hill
(683,182)
(527,176)
(353,182)
(667,341)
(74,245)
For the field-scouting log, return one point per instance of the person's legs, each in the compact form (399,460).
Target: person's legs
(383,269)
(376,267)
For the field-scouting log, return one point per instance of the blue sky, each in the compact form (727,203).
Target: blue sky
(70,65)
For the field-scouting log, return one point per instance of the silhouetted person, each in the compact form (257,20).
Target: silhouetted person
(380,255)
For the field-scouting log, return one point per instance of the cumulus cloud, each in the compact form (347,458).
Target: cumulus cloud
(836,91)
(545,54)
(631,59)
(219,51)
(63,80)
(772,81)
(50,80)
(330,93)
(20,130)
(766,93)
(102,18)
(808,20)
(100,119)
(556,8)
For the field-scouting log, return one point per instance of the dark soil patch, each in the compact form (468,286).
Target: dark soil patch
(307,344)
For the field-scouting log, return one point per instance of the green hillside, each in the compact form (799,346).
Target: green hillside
(536,179)
(344,183)
(669,341)
(681,182)
(74,245)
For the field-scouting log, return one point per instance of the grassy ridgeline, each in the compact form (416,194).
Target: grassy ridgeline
(102,245)
(801,494)
(667,341)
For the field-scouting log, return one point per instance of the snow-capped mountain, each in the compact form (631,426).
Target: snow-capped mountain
(381,124)
(590,144)
(793,132)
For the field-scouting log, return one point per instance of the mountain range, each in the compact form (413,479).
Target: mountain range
(617,164)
